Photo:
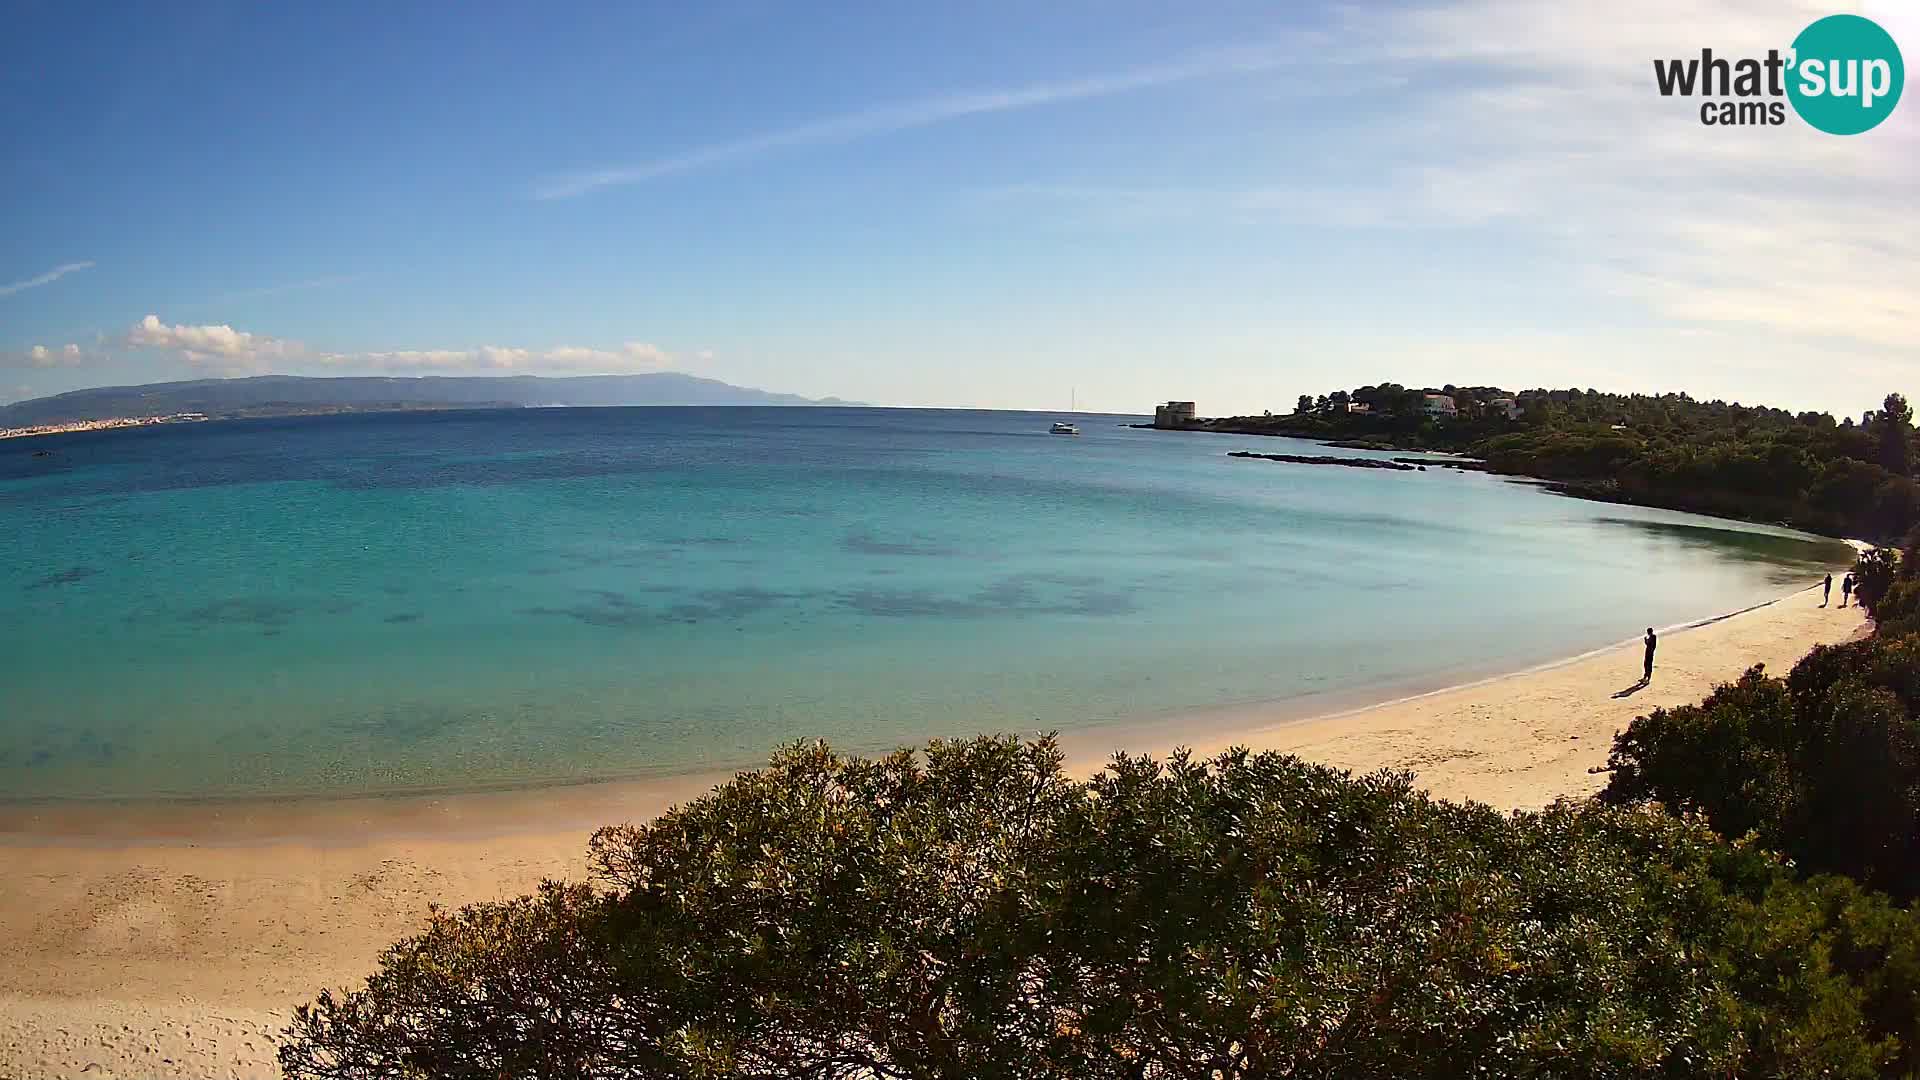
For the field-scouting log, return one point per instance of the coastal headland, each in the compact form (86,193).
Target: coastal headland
(1805,470)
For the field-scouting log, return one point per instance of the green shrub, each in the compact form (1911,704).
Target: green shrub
(1873,574)
(1898,610)
(1888,584)
(1823,766)
(972,912)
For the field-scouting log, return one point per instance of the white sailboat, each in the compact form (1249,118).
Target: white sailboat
(1061,427)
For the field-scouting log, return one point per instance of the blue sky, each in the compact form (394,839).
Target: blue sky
(988,204)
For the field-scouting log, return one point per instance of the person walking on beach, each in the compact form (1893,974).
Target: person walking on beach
(1846,589)
(1826,590)
(1652,643)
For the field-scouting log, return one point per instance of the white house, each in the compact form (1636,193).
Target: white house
(1505,406)
(1359,406)
(1439,406)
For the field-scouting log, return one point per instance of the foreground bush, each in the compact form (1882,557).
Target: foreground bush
(972,912)
(1889,587)
(1823,765)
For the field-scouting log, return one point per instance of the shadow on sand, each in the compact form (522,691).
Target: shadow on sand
(1634,689)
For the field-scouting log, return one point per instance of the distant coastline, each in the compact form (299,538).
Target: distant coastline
(289,395)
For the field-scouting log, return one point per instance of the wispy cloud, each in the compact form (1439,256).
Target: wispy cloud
(1537,131)
(887,119)
(47,278)
(1762,231)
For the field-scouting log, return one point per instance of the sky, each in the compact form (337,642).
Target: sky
(991,204)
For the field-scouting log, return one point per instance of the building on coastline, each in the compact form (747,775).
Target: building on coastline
(1505,406)
(1359,407)
(1439,406)
(1173,414)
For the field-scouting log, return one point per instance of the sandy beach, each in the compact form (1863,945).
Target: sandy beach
(175,940)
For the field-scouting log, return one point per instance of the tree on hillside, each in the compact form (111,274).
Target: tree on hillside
(1304,405)
(1711,457)
(970,911)
(1894,427)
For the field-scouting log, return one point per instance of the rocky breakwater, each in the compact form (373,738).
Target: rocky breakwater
(1349,462)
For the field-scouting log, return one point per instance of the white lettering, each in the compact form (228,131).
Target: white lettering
(1813,78)
(1847,87)
(1879,80)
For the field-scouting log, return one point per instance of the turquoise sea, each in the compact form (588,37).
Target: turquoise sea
(405,602)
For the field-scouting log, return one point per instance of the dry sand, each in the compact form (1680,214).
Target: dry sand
(174,941)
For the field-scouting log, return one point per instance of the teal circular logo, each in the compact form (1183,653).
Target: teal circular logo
(1846,74)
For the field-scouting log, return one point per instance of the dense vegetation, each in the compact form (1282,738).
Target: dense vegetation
(1823,765)
(1806,469)
(972,912)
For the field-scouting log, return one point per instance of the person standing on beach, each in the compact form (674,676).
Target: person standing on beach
(1652,642)
(1846,589)
(1826,590)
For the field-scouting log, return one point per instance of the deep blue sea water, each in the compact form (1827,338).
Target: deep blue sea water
(356,604)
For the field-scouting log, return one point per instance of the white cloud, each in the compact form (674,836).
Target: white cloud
(644,353)
(886,119)
(239,352)
(220,348)
(47,278)
(1542,122)
(42,356)
(225,350)
(634,356)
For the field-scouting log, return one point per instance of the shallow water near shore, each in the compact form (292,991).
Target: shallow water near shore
(377,604)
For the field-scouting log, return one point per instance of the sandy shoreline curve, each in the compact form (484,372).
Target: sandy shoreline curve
(178,946)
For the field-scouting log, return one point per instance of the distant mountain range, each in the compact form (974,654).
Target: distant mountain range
(291,395)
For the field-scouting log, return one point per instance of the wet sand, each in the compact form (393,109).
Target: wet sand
(160,941)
